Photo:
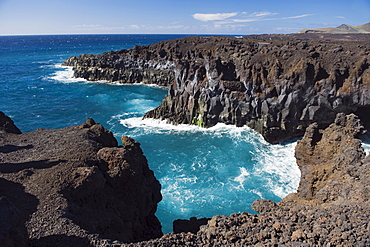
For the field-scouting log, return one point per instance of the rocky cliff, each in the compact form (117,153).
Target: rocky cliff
(276,86)
(74,187)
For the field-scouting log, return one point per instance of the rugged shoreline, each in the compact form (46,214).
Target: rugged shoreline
(75,187)
(275,84)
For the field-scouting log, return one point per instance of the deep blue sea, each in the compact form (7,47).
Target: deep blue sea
(203,172)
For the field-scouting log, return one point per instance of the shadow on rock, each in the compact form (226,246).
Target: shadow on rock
(13,148)
(16,167)
(16,206)
(60,241)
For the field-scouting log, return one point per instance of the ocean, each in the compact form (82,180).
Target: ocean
(203,172)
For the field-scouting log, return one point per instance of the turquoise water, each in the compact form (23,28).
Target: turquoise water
(203,172)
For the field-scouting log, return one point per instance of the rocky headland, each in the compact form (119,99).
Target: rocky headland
(275,84)
(74,187)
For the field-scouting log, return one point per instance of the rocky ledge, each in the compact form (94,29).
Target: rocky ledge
(74,187)
(277,85)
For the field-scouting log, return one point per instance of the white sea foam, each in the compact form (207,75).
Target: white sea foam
(366,144)
(258,193)
(160,126)
(278,161)
(150,125)
(64,74)
(366,147)
(244,175)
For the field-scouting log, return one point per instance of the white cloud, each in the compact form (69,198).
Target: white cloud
(297,16)
(263,14)
(213,17)
(244,20)
(341,17)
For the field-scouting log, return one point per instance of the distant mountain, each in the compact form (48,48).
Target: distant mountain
(344,28)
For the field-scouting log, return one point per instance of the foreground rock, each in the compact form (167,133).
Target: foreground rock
(331,207)
(277,85)
(74,187)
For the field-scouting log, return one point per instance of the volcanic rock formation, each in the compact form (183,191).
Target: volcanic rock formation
(276,86)
(74,187)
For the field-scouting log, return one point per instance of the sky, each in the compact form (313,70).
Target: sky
(234,17)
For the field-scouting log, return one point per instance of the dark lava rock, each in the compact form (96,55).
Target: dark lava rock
(275,84)
(75,187)
(7,125)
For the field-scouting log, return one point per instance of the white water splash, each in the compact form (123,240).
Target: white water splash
(64,74)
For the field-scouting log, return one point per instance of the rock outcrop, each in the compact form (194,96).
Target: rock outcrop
(74,187)
(7,125)
(276,86)
(127,66)
(332,163)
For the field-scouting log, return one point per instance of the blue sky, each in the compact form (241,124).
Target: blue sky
(176,17)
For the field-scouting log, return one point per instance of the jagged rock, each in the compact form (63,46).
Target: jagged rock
(326,159)
(7,125)
(75,187)
(275,86)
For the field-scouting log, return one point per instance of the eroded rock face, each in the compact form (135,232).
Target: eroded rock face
(331,162)
(276,86)
(126,66)
(75,187)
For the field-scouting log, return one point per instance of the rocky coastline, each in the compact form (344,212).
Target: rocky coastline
(76,187)
(331,207)
(275,84)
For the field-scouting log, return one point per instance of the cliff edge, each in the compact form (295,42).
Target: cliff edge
(74,187)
